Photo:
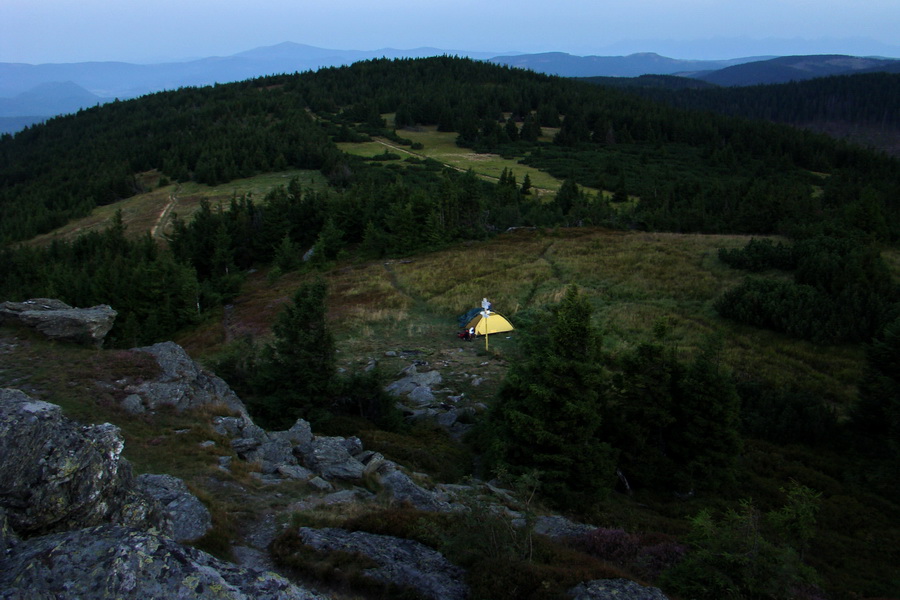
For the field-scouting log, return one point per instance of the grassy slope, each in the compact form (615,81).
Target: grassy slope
(153,210)
(441,146)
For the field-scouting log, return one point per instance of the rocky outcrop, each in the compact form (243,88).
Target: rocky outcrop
(615,589)
(74,523)
(57,475)
(111,561)
(333,457)
(420,400)
(401,562)
(183,384)
(416,386)
(190,518)
(403,489)
(59,321)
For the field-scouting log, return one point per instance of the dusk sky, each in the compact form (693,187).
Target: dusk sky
(41,31)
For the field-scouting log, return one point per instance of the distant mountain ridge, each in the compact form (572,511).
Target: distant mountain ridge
(109,80)
(796,68)
(633,65)
(33,93)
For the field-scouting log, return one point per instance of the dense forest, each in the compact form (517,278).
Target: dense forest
(646,419)
(862,107)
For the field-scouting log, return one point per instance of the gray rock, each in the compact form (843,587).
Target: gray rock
(421,396)
(320,484)
(183,384)
(447,419)
(59,321)
(299,434)
(412,380)
(267,478)
(133,404)
(403,489)
(555,526)
(330,458)
(232,427)
(243,446)
(401,562)
(615,589)
(294,472)
(109,562)
(64,475)
(372,461)
(190,518)
(332,499)
(277,451)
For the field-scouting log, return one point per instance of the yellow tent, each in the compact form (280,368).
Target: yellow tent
(495,323)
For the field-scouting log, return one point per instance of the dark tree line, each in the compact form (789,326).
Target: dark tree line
(863,99)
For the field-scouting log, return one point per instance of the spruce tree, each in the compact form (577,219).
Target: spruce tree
(297,370)
(547,414)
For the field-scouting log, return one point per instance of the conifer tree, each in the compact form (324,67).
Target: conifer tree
(297,369)
(547,414)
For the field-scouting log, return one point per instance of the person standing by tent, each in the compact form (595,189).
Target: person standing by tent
(471,333)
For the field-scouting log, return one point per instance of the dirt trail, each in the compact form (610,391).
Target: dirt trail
(163,218)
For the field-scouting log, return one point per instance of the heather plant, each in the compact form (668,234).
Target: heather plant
(644,555)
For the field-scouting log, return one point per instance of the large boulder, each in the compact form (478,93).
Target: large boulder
(184,384)
(403,489)
(190,518)
(401,562)
(57,475)
(333,457)
(114,562)
(59,321)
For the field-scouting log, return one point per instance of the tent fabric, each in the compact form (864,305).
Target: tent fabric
(495,323)
(464,318)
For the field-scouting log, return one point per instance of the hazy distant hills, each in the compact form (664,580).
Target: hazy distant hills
(33,93)
(49,98)
(633,65)
(796,68)
(126,80)
(30,93)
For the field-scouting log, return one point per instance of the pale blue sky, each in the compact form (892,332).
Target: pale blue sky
(38,31)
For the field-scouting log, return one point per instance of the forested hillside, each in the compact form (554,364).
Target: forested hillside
(861,107)
(687,436)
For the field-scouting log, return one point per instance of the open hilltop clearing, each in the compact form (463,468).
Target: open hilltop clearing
(636,281)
